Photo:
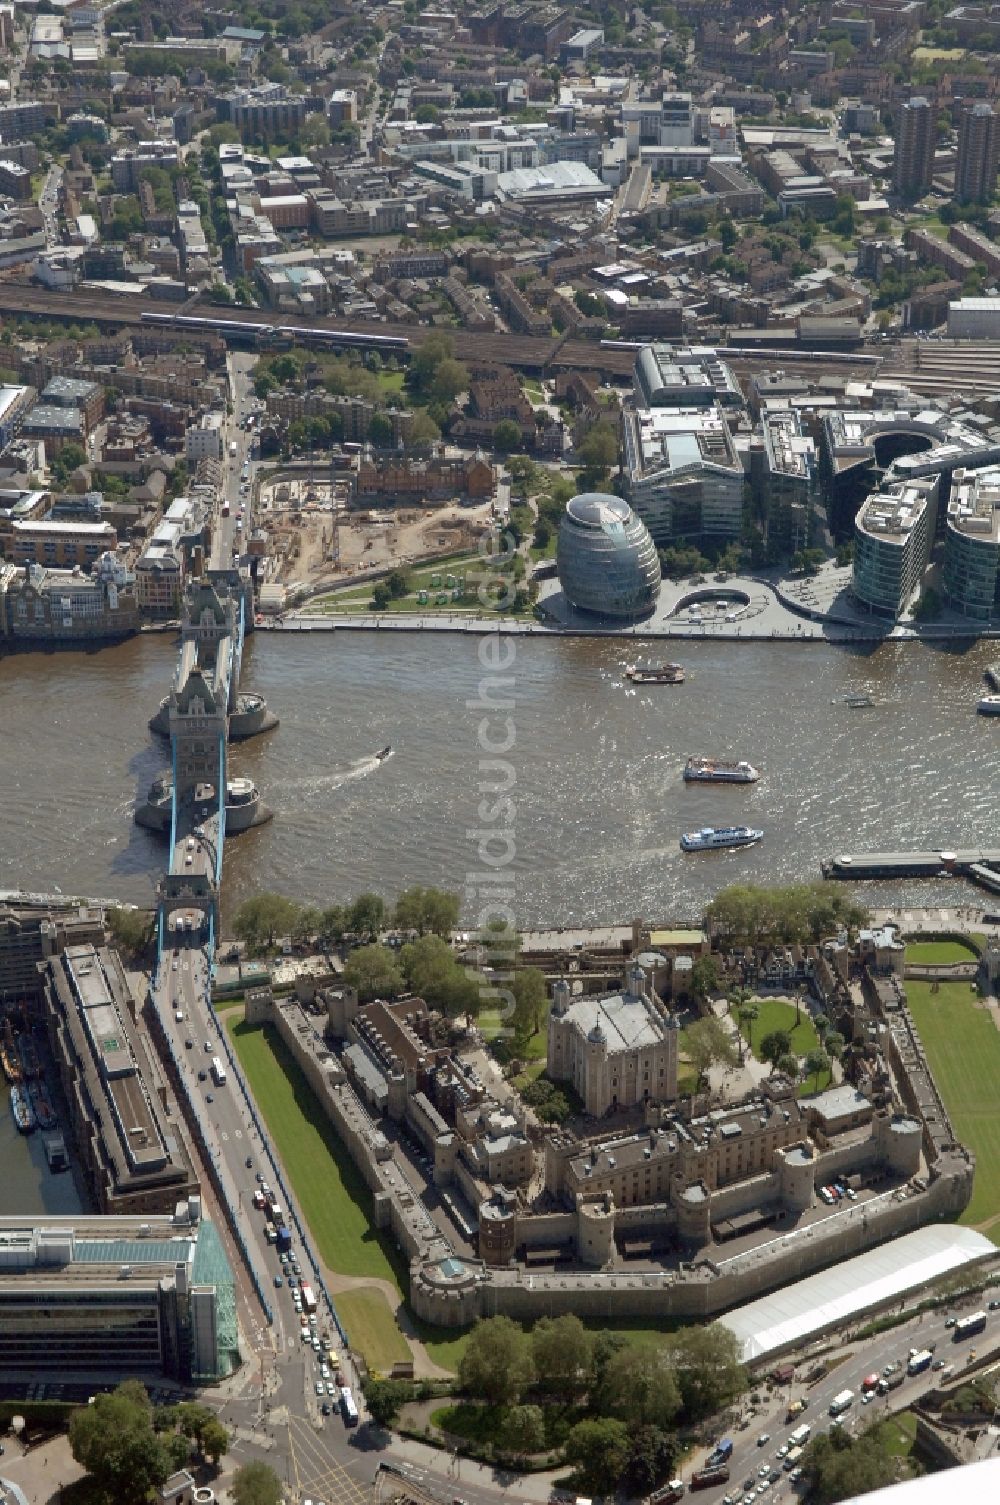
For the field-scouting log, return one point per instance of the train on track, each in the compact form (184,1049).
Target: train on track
(345,338)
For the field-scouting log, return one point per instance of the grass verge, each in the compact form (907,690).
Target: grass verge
(334,1200)
(939,953)
(963,1047)
(370,1323)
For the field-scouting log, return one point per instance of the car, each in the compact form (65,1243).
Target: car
(774,1476)
(868,1397)
(296,1267)
(728,1500)
(795,1475)
(179,1015)
(763,1471)
(249,1163)
(951,1322)
(763,1486)
(320,1388)
(749,1499)
(784,1450)
(283,1256)
(993,1306)
(324,1370)
(208,1047)
(316,1343)
(203,1076)
(331,1388)
(260,1178)
(325,1408)
(278,1282)
(763,1439)
(209,1098)
(189,1045)
(938,1364)
(749,1484)
(292,1282)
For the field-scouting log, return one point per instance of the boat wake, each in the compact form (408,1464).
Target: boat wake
(359,769)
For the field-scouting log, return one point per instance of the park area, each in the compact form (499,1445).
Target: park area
(776,1015)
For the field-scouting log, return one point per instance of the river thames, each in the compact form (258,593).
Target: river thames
(598,802)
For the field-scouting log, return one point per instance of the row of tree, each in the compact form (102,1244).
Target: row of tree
(265,917)
(797,913)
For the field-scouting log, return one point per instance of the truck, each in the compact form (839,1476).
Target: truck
(284,1239)
(795,1409)
(890,1382)
(841,1401)
(232,448)
(919,1361)
(704,1478)
(966,1326)
(800,1436)
(721,1453)
(792,1459)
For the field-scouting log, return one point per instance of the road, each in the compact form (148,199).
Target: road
(861,1359)
(232,530)
(48,203)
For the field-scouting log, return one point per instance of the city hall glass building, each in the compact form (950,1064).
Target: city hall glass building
(606,560)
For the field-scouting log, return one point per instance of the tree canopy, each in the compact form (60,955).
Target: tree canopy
(839,1466)
(432,970)
(707,1043)
(799,912)
(373,973)
(497,1363)
(256,1484)
(426,909)
(115,1441)
(562,1351)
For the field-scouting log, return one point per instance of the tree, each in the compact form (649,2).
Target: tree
(522,1430)
(775,1045)
(797,913)
(834,1043)
(385,1399)
(263,917)
(837,1466)
(214,1441)
(373,973)
(708,1369)
(367,916)
(640,1386)
(449,379)
(704,976)
(132,929)
(530,995)
(114,1440)
(426,358)
(423,429)
(398,582)
(788,1066)
(381,597)
(433,971)
(496,1365)
(707,1044)
(507,436)
(427,909)
(598,1451)
(380,431)
(306,924)
(333,923)
(69,458)
(746,1014)
(651,1457)
(256,1484)
(562,1350)
(817,1062)
(599,450)
(607,1343)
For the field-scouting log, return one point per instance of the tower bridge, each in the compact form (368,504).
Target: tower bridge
(195,803)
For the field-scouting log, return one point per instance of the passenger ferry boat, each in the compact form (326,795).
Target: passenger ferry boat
(21,1109)
(715,838)
(717,771)
(989,705)
(655,674)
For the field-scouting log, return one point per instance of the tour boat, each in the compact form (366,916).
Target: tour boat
(989,705)
(714,838)
(655,674)
(385,752)
(717,771)
(10,1061)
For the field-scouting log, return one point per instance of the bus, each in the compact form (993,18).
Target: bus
(218,1071)
(800,1436)
(841,1402)
(348,1409)
(966,1326)
(308,1299)
(919,1361)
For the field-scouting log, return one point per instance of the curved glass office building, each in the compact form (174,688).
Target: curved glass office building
(605,558)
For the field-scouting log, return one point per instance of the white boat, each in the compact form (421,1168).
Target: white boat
(989,705)
(714,838)
(718,771)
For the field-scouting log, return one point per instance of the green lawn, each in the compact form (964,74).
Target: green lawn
(773,1015)
(963,1049)
(334,1200)
(357,598)
(938,953)
(898,1434)
(446,1345)
(370,1324)
(391,381)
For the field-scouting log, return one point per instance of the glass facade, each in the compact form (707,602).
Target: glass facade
(606,561)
